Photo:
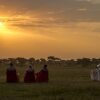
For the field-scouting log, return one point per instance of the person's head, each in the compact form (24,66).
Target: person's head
(30,66)
(45,66)
(11,64)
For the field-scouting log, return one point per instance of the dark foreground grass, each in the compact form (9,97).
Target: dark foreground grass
(66,83)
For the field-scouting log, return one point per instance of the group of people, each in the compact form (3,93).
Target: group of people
(29,77)
(95,73)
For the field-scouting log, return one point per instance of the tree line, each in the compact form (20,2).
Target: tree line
(51,60)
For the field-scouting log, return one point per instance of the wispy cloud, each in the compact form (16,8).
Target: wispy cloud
(71,10)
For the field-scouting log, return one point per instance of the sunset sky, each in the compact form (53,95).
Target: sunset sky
(40,28)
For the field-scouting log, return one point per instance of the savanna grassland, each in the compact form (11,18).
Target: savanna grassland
(65,83)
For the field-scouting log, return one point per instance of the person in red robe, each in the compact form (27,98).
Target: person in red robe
(11,74)
(29,75)
(42,76)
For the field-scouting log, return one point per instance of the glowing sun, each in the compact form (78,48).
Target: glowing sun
(3,28)
(1,24)
(7,31)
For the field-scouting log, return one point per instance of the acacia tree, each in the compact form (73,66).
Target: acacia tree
(21,61)
(84,61)
(71,62)
(95,61)
(53,60)
(31,61)
(43,61)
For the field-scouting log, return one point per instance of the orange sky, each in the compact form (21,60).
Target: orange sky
(52,32)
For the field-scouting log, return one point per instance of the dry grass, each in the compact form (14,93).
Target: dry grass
(66,83)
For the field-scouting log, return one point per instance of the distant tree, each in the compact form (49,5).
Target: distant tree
(31,60)
(13,60)
(84,61)
(37,61)
(43,61)
(71,62)
(63,62)
(21,61)
(0,61)
(3,62)
(95,61)
(53,60)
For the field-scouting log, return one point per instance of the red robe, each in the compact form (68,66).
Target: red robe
(29,77)
(12,76)
(42,76)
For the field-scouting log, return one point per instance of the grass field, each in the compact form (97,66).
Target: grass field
(66,83)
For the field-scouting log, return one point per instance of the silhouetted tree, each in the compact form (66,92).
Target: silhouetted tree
(84,61)
(37,61)
(31,61)
(95,61)
(21,61)
(43,61)
(53,60)
(71,62)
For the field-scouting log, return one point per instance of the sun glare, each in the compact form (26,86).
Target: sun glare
(7,31)
(3,29)
(1,24)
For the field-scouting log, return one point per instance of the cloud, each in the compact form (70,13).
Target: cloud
(44,13)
